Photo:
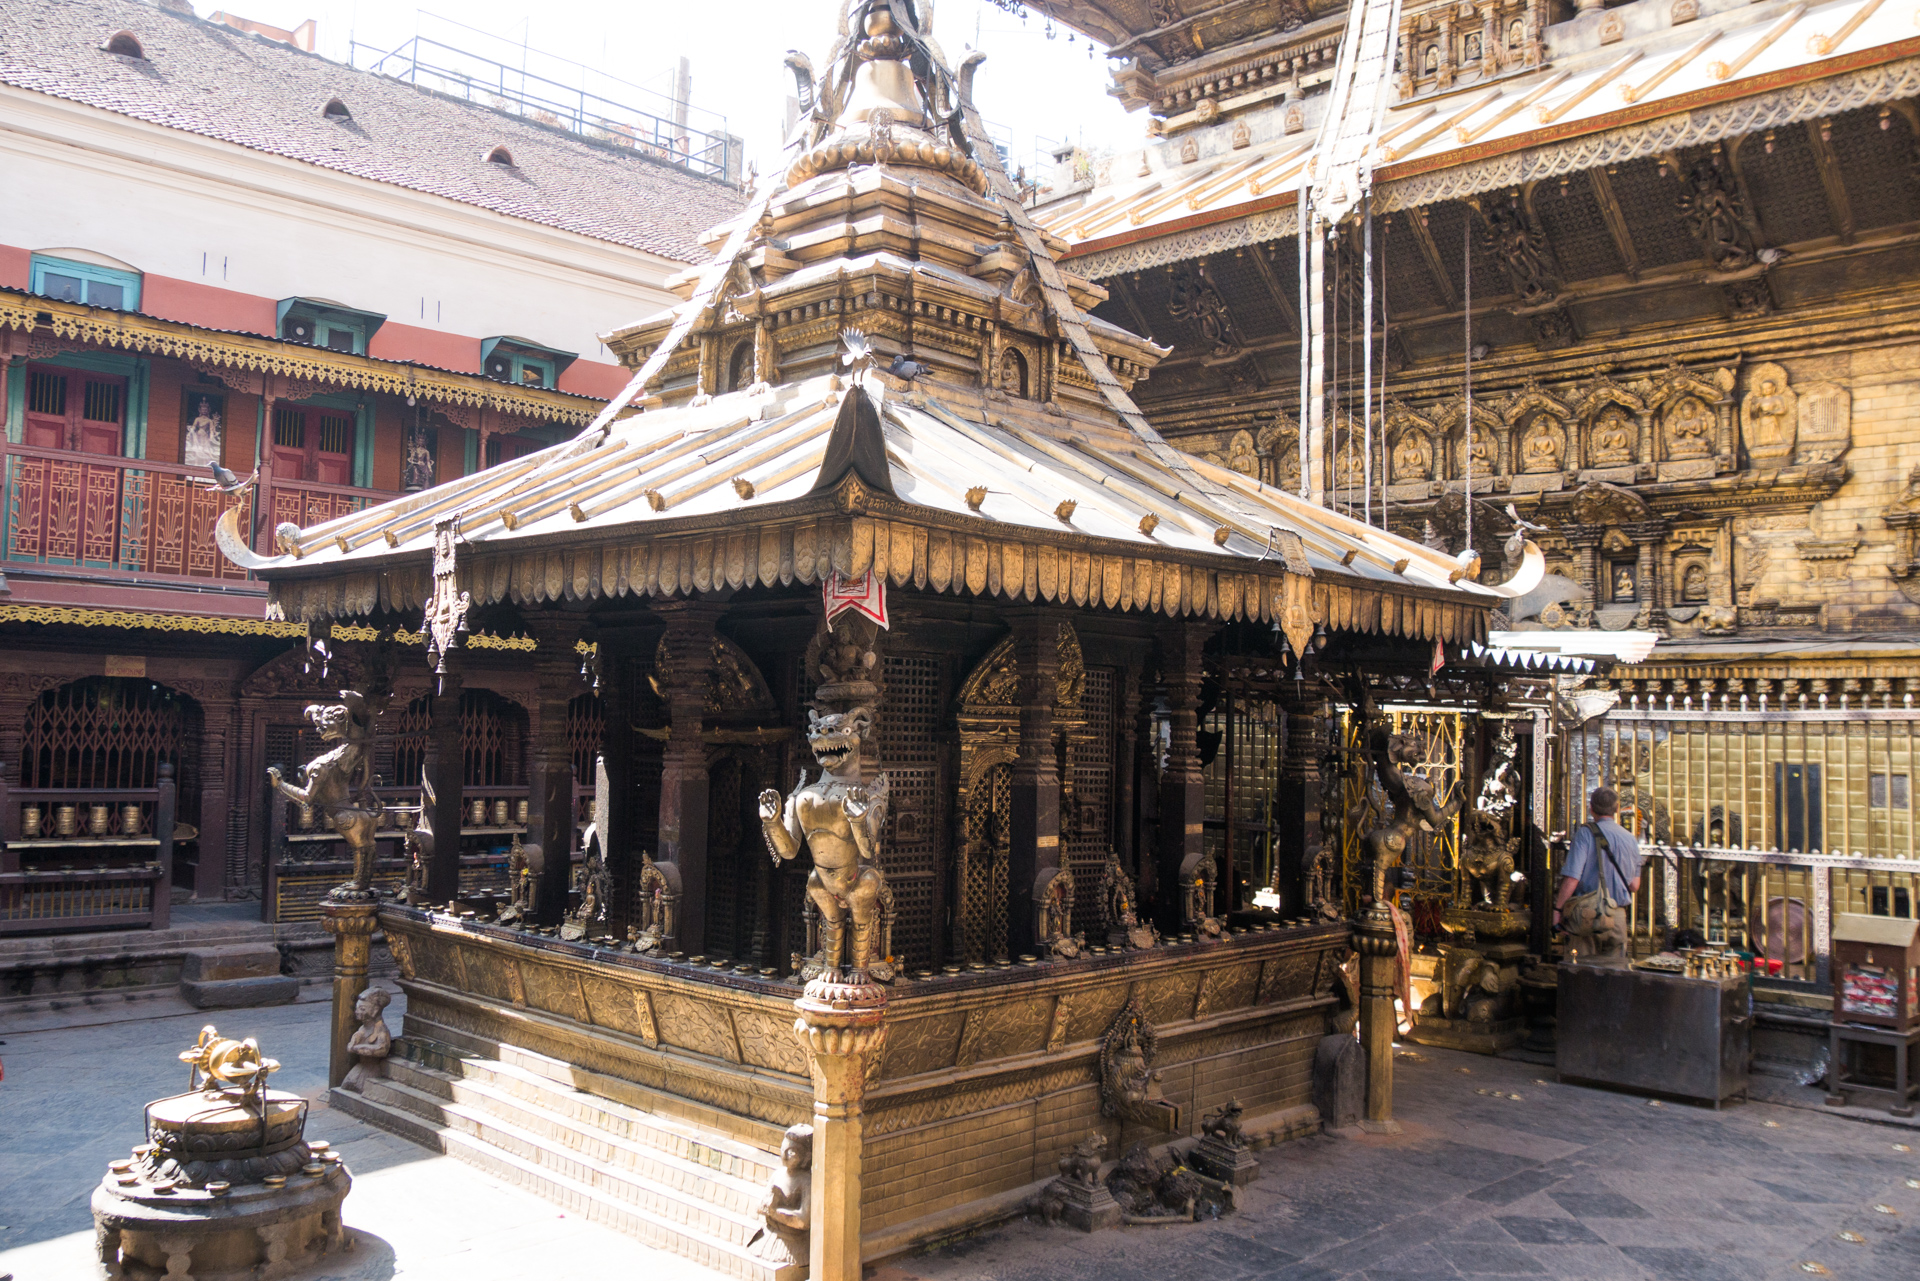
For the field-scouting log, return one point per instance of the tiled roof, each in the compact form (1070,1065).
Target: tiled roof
(243,89)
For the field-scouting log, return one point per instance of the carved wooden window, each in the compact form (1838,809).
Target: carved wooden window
(983,879)
(912,846)
(74,410)
(504,449)
(313,444)
(586,724)
(492,734)
(102,732)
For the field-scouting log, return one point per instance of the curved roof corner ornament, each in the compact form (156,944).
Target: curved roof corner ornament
(226,535)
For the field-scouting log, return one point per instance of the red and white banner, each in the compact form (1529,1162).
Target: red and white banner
(867,594)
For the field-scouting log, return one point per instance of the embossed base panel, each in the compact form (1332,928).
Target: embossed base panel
(986,1080)
(1459,1034)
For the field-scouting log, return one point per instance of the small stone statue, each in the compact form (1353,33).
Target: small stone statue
(520,884)
(1129,1083)
(658,898)
(1124,928)
(788,1207)
(1198,907)
(596,887)
(371,1042)
(1486,860)
(1078,1195)
(1053,913)
(1222,1152)
(419,843)
(839,818)
(339,783)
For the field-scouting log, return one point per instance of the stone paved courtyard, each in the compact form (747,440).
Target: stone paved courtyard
(1563,1182)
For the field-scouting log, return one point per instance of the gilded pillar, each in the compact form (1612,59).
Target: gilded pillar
(444,778)
(842,1030)
(683,769)
(1375,940)
(1124,800)
(1183,790)
(1033,809)
(1298,803)
(550,817)
(352,926)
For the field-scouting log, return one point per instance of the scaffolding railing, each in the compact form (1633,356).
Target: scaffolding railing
(706,149)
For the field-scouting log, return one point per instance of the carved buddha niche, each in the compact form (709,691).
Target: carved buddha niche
(1769,418)
(1413,456)
(1241,456)
(1693,584)
(1431,63)
(1689,425)
(1611,442)
(1286,462)
(1470,47)
(1481,452)
(1012,376)
(1543,446)
(1516,33)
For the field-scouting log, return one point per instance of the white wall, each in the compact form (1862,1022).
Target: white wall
(179,204)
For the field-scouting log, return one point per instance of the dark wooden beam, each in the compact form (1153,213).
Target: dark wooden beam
(1615,218)
(1287,306)
(1127,300)
(1184,27)
(1839,207)
(1431,253)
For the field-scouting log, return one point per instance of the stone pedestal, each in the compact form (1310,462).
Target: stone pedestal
(1218,1159)
(246,974)
(1087,1206)
(352,926)
(841,1027)
(1374,939)
(1483,1017)
(1339,1080)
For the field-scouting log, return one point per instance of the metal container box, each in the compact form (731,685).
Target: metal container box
(1658,1033)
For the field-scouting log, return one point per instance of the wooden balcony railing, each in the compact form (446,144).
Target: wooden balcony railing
(131,516)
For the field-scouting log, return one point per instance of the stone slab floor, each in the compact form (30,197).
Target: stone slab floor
(1563,1182)
(72,1098)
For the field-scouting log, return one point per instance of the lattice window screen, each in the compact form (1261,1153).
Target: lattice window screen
(1088,830)
(586,723)
(911,844)
(491,740)
(729,891)
(983,873)
(105,732)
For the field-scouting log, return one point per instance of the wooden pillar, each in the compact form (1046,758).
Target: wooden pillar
(842,1030)
(683,770)
(1033,809)
(1183,791)
(445,778)
(215,768)
(614,816)
(351,925)
(1374,939)
(1297,807)
(550,817)
(13,728)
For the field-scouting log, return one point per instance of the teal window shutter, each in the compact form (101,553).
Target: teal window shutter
(82,282)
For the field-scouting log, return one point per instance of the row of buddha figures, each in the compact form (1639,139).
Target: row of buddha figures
(1678,425)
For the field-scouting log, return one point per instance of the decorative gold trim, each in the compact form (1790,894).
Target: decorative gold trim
(266,355)
(211,624)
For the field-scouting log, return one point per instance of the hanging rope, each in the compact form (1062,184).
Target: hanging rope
(1466,262)
(1366,353)
(1386,232)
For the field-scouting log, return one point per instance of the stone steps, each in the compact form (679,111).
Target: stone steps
(666,1182)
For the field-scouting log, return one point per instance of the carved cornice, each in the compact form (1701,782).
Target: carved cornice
(1511,163)
(213,352)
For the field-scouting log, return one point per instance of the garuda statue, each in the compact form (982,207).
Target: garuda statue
(338,783)
(839,818)
(1410,794)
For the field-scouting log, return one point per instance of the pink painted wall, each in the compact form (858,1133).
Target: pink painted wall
(395,341)
(207,306)
(592,378)
(16,267)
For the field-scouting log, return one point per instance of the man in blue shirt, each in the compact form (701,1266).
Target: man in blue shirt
(1596,923)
